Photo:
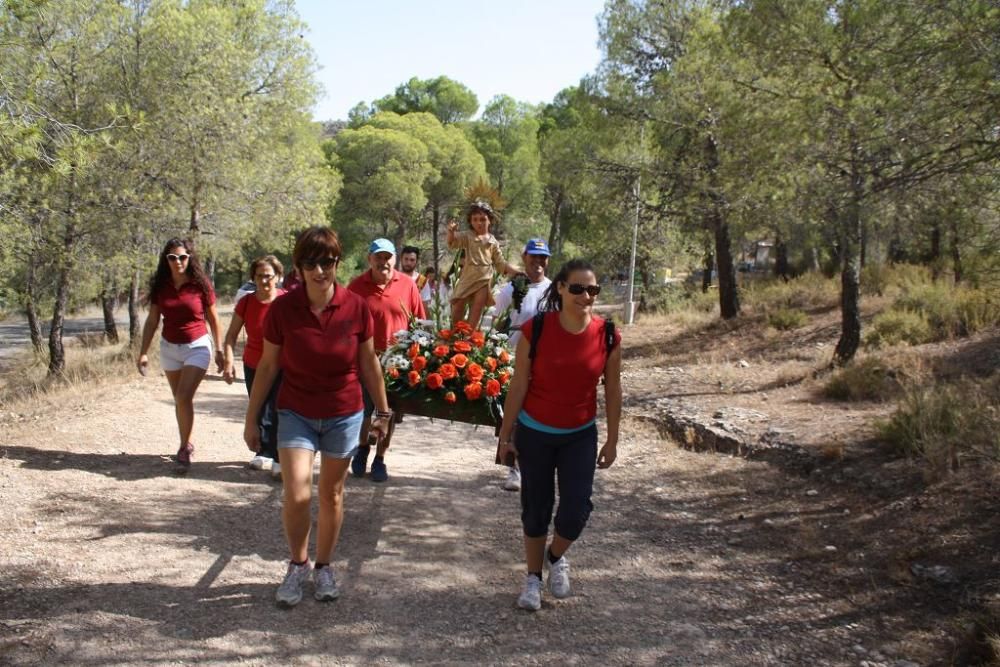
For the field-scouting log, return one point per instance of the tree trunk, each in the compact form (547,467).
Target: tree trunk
(956,251)
(934,257)
(57,352)
(210,270)
(30,307)
(133,309)
(708,267)
(108,295)
(850,275)
(555,232)
(729,298)
(781,259)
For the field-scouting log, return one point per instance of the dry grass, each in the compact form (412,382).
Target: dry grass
(26,386)
(877,378)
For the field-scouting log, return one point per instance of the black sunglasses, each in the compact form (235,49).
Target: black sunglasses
(326,263)
(577,288)
(177,258)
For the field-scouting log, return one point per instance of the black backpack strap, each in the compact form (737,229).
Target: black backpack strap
(609,336)
(536,332)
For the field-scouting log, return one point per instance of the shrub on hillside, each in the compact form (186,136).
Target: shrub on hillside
(873,379)
(948,424)
(786,319)
(950,310)
(810,290)
(675,298)
(894,327)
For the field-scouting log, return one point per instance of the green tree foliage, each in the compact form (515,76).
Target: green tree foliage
(446,99)
(128,121)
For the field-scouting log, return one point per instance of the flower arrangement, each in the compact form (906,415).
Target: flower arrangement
(459,373)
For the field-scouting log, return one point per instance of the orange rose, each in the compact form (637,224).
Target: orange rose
(474,373)
(413,351)
(413,378)
(441,351)
(419,363)
(504,377)
(460,360)
(491,364)
(473,391)
(393,373)
(448,371)
(463,327)
(445,334)
(462,346)
(450,397)
(492,388)
(504,357)
(435,381)
(477,338)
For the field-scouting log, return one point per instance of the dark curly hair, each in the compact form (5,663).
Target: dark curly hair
(193,270)
(551,301)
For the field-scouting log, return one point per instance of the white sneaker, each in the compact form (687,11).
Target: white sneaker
(513,481)
(326,584)
(276,470)
(558,576)
(259,462)
(531,594)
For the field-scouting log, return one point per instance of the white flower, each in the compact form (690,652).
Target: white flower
(421,339)
(497,350)
(425,324)
(401,336)
(496,335)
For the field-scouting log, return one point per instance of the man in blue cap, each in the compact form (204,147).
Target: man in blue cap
(392,297)
(536,260)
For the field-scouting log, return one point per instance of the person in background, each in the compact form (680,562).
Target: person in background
(181,294)
(435,292)
(409,258)
(292,280)
(392,299)
(266,273)
(553,400)
(320,336)
(536,260)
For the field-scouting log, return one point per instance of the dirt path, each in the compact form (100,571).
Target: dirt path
(108,557)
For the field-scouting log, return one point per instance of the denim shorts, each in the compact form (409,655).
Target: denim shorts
(175,356)
(336,437)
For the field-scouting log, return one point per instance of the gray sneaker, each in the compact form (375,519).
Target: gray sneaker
(558,576)
(531,594)
(326,584)
(290,591)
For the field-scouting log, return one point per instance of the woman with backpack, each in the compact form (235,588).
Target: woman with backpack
(563,354)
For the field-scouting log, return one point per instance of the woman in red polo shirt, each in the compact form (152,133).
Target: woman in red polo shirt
(179,291)
(250,311)
(321,337)
(553,400)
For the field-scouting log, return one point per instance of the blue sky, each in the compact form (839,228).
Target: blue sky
(529,50)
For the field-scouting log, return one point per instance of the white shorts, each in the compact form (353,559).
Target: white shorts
(175,356)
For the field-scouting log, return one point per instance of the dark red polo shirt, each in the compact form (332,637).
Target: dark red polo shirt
(562,392)
(319,355)
(391,304)
(183,311)
(253,311)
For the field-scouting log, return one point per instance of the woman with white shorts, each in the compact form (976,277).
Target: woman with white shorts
(180,293)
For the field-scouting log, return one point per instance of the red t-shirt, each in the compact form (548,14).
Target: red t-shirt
(183,311)
(319,355)
(252,311)
(387,303)
(565,372)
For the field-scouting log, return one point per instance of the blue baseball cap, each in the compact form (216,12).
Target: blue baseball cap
(382,245)
(537,247)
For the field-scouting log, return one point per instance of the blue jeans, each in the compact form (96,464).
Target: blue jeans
(336,437)
(267,420)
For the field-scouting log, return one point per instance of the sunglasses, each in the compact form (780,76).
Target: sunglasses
(266,277)
(325,264)
(177,258)
(577,288)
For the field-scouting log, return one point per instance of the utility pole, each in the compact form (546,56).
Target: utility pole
(630,303)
